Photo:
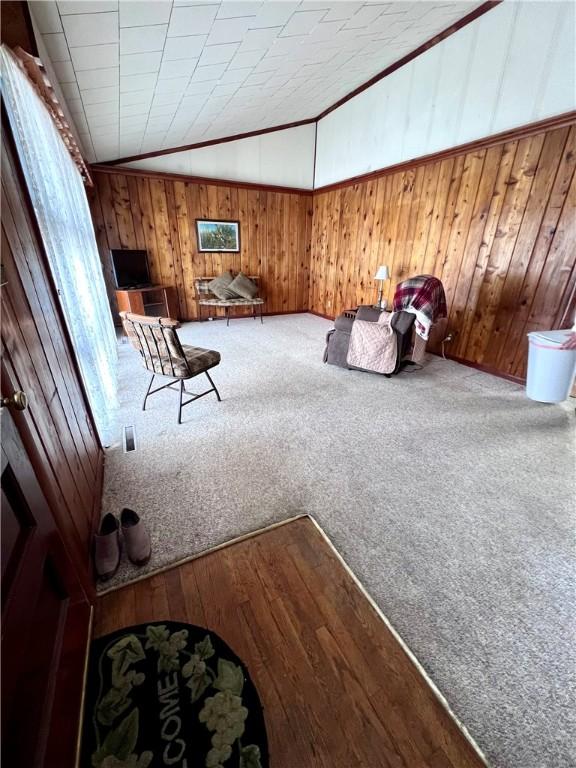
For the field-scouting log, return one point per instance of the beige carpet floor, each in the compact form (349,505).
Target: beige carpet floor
(447,491)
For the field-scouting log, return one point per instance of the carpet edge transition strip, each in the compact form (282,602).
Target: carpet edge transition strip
(203,553)
(402,643)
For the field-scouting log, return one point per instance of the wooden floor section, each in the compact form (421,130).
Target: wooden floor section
(337,688)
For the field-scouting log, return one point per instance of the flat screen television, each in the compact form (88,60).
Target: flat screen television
(131,268)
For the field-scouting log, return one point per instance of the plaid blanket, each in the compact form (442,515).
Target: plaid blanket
(424,297)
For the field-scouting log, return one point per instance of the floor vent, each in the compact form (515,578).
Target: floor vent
(129,439)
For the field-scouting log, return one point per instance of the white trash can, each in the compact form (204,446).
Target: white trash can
(550,369)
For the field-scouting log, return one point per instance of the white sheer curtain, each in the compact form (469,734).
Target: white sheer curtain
(59,200)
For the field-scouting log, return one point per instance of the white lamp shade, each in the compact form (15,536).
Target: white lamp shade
(382,274)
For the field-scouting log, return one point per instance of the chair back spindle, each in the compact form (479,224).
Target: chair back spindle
(156,340)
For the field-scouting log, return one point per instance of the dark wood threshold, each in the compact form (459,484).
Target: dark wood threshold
(339,688)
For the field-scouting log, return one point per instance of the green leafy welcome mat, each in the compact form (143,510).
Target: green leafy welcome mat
(168,694)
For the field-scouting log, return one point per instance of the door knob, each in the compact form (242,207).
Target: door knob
(19,400)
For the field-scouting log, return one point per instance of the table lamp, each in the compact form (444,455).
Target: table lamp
(382,274)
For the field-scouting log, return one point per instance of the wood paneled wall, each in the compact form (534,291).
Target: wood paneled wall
(56,428)
(158,214)
(497,226)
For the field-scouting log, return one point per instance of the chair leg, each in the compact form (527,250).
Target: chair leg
(227,316)
(180,403)
(254,311)
(213,386)
(148,392)
(261,320)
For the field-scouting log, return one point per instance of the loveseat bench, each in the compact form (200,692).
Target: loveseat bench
(205,297)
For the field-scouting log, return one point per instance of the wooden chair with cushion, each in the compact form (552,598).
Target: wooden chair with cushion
(162,354)
(205,298)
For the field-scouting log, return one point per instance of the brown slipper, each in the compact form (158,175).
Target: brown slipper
(107,547)
(136,537)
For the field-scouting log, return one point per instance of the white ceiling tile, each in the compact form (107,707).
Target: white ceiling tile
(95,57)
(159,123)
(269,65)
(163,109)
(243,60)
(97,120)
(191,20)
(204,87)
(228,89)
(273,14)
(283,46)
(56,47)
(87,6)
(136,97)
(342,11)
(165,98)
(228,30)
(142,39)
(107,131)
(91,29)
(98,78)
(217,54)
(80,122)
(235,8)
(64,71)
(302,22)
(108,108)
(193,104)
(138,112)
(258,78)
(46,16)
(70,90)
(183,47)
(258,39)
(140,63)
(140,14)
(98,95)
(202,74)
(137,82)
(172,85)
(75,106)
(177,68)
(235,75)
(364,17)
(323,31)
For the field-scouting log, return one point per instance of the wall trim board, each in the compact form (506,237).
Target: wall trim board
(463,22)
(168,176)
(210,142)
(484,368)
(514,134)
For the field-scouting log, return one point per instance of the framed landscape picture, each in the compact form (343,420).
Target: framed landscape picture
(218,235)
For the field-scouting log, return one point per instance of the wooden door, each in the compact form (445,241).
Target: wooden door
(45,619)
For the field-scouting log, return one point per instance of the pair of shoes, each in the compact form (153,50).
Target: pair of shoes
(107,547)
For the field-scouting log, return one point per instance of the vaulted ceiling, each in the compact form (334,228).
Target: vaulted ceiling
(145,76)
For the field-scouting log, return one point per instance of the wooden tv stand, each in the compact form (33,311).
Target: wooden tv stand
(154,301)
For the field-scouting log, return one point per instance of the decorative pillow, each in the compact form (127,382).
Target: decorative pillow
(243,286)
(220,286)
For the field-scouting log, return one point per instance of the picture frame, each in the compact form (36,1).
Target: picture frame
(218,236)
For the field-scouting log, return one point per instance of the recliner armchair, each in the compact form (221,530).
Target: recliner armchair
(338,339)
